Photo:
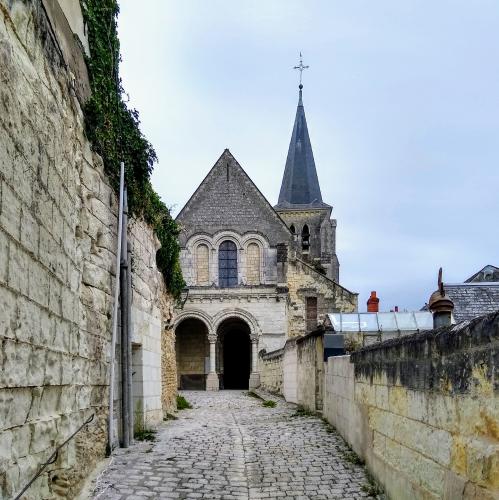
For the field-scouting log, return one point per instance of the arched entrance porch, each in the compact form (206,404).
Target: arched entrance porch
(192,352)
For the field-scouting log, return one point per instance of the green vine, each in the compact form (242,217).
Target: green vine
(115,134)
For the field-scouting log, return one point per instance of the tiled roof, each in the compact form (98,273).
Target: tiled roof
(488,273)
(473,299)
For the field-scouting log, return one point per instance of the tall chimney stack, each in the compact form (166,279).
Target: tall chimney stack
(373,303)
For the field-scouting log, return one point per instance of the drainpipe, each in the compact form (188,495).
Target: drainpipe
(125,306)
(110,421)
(129,341)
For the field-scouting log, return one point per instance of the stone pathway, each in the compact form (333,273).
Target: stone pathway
(230,446)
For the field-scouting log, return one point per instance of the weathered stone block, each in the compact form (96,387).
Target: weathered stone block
(38,283)
(29,231)
(4,261)
(18,268)
(10,213)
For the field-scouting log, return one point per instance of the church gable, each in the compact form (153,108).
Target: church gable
(227,199)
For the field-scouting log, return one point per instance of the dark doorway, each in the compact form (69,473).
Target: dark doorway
(236,346)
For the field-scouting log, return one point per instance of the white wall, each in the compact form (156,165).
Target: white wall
(290,373)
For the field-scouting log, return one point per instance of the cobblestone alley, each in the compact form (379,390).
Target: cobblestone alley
(231,446)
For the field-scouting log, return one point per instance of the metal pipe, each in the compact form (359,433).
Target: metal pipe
(129,342)
(124,305)
(109,448)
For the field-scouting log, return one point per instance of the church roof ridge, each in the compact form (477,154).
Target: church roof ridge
(300,184)
(228,156)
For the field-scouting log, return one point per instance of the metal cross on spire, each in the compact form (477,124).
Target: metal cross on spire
(300,68)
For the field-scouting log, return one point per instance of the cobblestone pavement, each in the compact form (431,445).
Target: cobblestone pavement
(230,446)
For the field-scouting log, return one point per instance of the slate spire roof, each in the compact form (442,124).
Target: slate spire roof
(300,185)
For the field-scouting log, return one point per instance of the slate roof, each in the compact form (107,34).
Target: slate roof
(300,185)
(488,273)
(472,300)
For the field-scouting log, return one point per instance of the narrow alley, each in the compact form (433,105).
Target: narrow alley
(232,446)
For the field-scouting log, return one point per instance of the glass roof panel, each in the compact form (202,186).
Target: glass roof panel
(368,322)
(424,320)
(387,322)
(350,322)
(335,319)
(406,321)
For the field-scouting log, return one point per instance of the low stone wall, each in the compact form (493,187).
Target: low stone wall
(271,371)
(296,371)
(310,372)
(290,372)
(423,411)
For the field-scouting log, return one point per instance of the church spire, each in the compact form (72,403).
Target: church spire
(300,185)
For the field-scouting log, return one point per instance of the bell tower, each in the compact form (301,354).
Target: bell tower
(300,201)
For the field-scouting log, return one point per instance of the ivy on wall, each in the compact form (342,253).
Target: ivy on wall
(114,132)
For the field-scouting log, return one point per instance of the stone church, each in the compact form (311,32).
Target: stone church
(256,274)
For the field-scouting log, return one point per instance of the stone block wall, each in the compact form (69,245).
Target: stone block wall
(152,311)
(57,267)
(304,281)
(310,372)
(271,371)
(290,372)
(340,407)
(423,410)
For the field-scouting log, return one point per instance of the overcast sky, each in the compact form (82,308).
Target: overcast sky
(402,104)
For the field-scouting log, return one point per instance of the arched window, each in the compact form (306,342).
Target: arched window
(227,264)
(292,228)
(253,264)
(305,238)
(202,265)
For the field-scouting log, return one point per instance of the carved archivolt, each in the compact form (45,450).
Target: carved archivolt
(194,314)
(213,323)
(241,314)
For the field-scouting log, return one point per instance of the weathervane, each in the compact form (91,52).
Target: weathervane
(300,68)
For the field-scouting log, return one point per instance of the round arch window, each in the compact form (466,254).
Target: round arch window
(227,264)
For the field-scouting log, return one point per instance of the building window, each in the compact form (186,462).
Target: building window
(311,313)
(305,238)
(227,264)
(292,228)
(253,264)
(202,265)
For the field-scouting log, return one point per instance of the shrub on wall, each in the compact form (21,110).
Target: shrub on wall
(115,134)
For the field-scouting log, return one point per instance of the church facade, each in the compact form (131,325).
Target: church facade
(256,274)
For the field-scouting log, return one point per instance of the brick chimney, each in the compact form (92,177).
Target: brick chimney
(373,303)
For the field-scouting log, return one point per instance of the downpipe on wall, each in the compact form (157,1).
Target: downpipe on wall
(125,328)
(110,421)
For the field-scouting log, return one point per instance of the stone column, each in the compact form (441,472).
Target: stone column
(212,383)
(254,380)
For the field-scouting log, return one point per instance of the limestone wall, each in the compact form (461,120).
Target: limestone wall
(423,411)
(310,372)
(290,372)
(304,281)
(271,371)
(152,310)
(57,269)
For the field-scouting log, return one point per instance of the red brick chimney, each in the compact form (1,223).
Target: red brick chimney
(373,303)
